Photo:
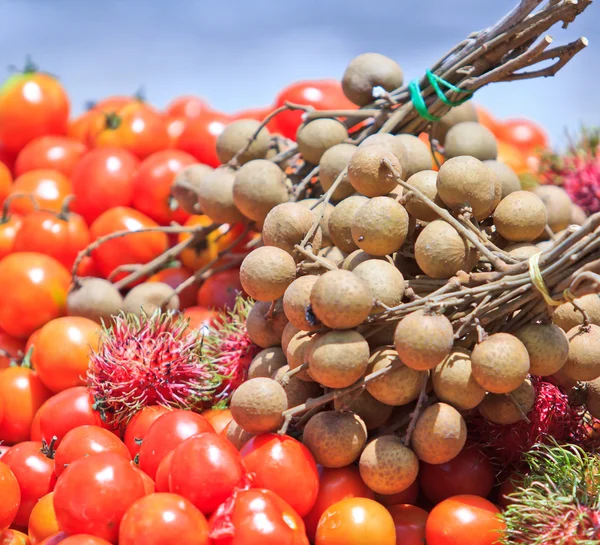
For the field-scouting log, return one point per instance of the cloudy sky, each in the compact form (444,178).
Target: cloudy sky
(239,53)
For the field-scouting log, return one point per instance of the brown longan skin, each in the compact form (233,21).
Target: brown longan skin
(520,217)
(288,333)
(340,222)
(341,300)
(258,404)
(583,362)
(296,390)
(473,139)
(558,205)
(425,182)
(439,435)
(566,316)
(148,297)
(186,184)
(267,362)
(500,364)
(235,138)
(215,196)
(266,332)
(356,258)
(521,251)
(388,142)
(317,136)
(578,215)
(296,303)
(368,173)
(335,439)
(592,397)
(423,340)
(297,351)
(266,273)
(94,298)
(387,466)
(502,408)
(547,345)
(237,436)
(418,155)
(372,412)
(333,254)
(321,212)
(385,282)
(508,177)
(332,164)
(458,114)
(367,71)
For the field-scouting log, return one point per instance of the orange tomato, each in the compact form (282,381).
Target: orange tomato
(188,107)
(486,119)
(523,134)
(6,181)
(9,227)
(218,418)
(48,188)
(410,524)
(173,276)
(424,137)
(42,521)
(11,496)
(12,347)
(200,317)
(14,537)
(79,127)
(50,152)
(513,157)
(114,103)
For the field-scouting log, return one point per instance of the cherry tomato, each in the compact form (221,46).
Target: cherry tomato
(114,103)
(175,128)
(35,290)
(355,521)
(10,496)
(135,248)
(94,493)
(48,188)
(59,153)
(139,425)
(410,524)
(165,434)
(220,290)
(173,276)
(15,348)
(149,486)
(152,185)
(335,484)
(200,318)
(35,473)
(189,107)
(218,418)
(409,495)
(9,227)
(87,267)
(102,180)
(522,133)
(163,473)
(199,136)
(6,181)
(464,520)
(513,156)
(3,450)
(269,456)
(32,104)
(42,522)
(200,253)
(14,537)
(79,127)
(155,519)
(485,118)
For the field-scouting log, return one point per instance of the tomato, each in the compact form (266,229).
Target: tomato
(410,524)
(12,347)
(48,188)
(139,425)
(114,103)
(218,418)
(321,94)
(149,486)
(42,522)
(35,290)
(9,227)
(166,433)
(85,441)
(3,450)
(199,136)
(59,153)
(508,486)
(102,180)
(79,127)
(87,267)
(155,519)
(355,521)
(335,484)
(6,181)
(14,537)
(522,133)
(200,318)
(220,290)
(485,118)
(175,128)
(32,104)
(163,472)
(79,539)
(35,473)
(200,253)
(22,394)
(137,248)
(173,276)
(152,185)
(94,493)
(269,456)
(464,520)
(10,496)
(409,495)
(189,107)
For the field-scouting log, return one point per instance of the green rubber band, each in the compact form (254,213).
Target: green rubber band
(419,102)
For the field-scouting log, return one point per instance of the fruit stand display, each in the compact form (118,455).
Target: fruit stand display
(366,314)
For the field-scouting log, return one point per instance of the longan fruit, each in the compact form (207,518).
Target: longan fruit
(266,332)
(333,254)
(453,381)
(267,362)
(341,300)
(397,387)
(368,71)
(258,404)
(441,252)
(215,196)
(148,297)
(508,409)
(558,205)
(497,197)
(387,466)
(297,391)
(578,215)
(317,136)
(547,346)
(372,412)
(439,435)
(353,260)
(297,351)
(592,397)
(388,142)
(341,220)
(186,185)
(425,181)
(385,282)
(500,363)
(296,303)
(94,298)
(323,219)
(368,173)
(418,155)
(266,273)
(473,139)
(507,176)
(583,362)
(521,251)
(380,335)
(423,340)
(380,226)
(520,217)
(566,316)
(464,112)
(236,435)
(335,439)
(331,165)
(235,138)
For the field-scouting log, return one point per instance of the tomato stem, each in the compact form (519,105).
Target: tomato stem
(113,121)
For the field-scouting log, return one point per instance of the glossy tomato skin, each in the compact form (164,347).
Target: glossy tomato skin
(11,496)
(189,107)
(79,539)
(163,473)
(269,456)
(6,181)
(114,103)
(47,187)
(410,524)
(200,317)
(103,179)
(199,254)
(42,521)
(139,425)
(59,153)
(173,276)
(35,292)
(13,537)
(152,185)
(218,418)
(149,486)
(12,346)
(464,520)
(135,248)
(220,291)
(32,104)
(257,517)
(79,126)
(166,433)
(155,519)
(94,493)
(522,133)
(199,137)
(9,227)
(34,472)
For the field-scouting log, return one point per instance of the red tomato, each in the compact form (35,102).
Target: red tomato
(166,433)
(321,94)
(50,152)
(522,133)
(6,181)
(485,118)
(94,493)
(87,267)
(155,519)
(175,128)
(199,137)
(9,227)
(14,537)
(42,521)
(200,317)
(139,425)
(11,496)
(80,126)
(102,180)
(189,107)
(152,185)
(3,450)
(220,290)
(464,520)
(15,348)
(22,394)
(269,456)
(35,290)
(149,486)
(32,104)
(135,248)
(469,473)
(335,484)
(48,188)
(218,418)
(85,441)
(409,495)
(80,539)
(114,103)
(410,524)
(163,472)
(35,473)
(173,276)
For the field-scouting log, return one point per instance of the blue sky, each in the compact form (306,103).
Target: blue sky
(238,54)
